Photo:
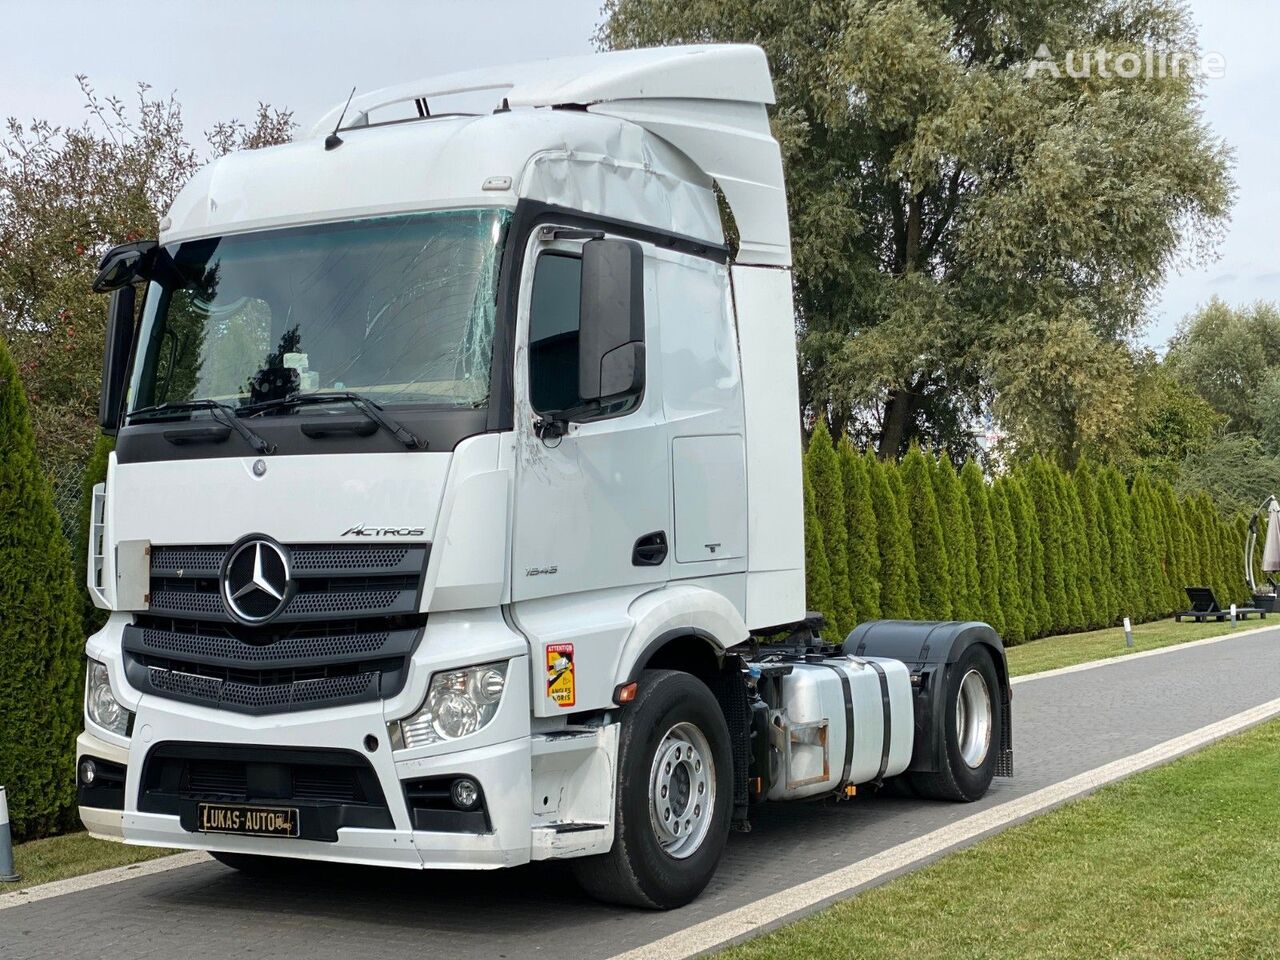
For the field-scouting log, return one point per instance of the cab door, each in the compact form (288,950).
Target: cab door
(593,494)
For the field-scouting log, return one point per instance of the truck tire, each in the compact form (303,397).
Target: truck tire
(972,711)
(673,797)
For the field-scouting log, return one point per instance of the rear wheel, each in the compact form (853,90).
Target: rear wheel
(675,786)
(972,716)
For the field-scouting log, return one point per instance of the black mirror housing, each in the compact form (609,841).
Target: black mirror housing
(115,357)
(126,264)
(611,357)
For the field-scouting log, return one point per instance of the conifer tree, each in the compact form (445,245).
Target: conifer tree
(864,549)
(1150,548)
(1010,582)
(1123,540)
(975,490)
(910,565)
(1099,549)
(932,563)
(1038,616)
(1194,541)
(1174,549)
(817,576)
(894,599)
(956,537)
(1044,497)
(1030,576)
(1075,556)
(41,644)
(823,468)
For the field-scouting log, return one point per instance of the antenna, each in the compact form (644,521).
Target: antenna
(333,140)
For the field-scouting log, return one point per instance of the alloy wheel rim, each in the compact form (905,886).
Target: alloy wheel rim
(974,719)
(682,790)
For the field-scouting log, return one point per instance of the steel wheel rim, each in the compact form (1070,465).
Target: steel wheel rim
(974,719)
(682,790)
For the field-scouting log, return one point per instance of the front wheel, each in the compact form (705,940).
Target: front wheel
(672,806)
(972,720)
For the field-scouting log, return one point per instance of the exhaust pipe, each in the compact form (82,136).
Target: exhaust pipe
(7,873)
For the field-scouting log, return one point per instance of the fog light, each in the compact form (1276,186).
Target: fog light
(88,772)
(465,793)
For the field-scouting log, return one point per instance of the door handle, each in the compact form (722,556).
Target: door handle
(650,550)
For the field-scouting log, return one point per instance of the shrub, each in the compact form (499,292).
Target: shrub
(895,601)
(864,550)
(926,536)
(1010,580)
(975,490)
(823,468)
(817,576)
(41,647)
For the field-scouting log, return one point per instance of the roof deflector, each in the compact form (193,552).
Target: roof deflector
(708,101)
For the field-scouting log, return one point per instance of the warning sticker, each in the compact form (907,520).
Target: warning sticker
(560,685)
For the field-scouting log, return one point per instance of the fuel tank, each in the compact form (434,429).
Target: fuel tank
(842,720)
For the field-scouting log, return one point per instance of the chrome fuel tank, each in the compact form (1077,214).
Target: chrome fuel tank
(843,720)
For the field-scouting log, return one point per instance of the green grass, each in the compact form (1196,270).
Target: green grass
(56,858)
(1183,861)
(1073,648)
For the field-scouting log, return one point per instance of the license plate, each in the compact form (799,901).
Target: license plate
(246,820)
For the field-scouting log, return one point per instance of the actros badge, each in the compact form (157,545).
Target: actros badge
(360,530)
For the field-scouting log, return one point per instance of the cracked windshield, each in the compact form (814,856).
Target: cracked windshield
(399,309)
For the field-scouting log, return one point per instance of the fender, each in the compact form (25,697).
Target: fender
(929,650)
(678,610)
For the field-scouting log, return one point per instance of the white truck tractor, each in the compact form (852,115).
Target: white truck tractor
(455,513)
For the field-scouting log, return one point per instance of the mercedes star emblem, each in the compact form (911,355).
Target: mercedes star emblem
(256,580)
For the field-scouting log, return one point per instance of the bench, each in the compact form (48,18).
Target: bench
(1205,606)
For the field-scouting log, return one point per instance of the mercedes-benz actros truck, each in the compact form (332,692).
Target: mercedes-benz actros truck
(455,515)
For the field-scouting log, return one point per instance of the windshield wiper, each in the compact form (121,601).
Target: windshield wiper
(224,413)
(366,406)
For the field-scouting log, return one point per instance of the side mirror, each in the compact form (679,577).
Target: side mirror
(115,358)
(611,318)
(124,265)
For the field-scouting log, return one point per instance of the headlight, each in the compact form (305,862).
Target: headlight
(459,702)
(100,703)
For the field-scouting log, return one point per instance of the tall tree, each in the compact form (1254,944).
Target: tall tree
(1100,587)
(1048,523)
(932,563)
(957,538)
(823,468)
(817,575)
(1119,520)
(864,549)
(911,563)
(964,220)
(1149,549)
(1075,557)
(1030,574)
(41,645)
(66,195)
(1009,579)
(895,599)
(975,490)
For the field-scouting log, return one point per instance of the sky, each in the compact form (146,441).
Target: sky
(222,58)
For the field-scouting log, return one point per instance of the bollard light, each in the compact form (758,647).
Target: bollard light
(1128,632)
(7,873)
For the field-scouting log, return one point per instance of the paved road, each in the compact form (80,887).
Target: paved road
(1063,726)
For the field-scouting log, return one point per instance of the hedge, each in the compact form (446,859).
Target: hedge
(41,644)
(1039,551)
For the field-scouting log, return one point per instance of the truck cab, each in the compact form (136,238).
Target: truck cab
(456,482)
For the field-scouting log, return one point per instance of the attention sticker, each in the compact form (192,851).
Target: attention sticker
(560,685)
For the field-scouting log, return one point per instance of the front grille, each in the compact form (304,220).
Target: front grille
(344,636)
(331,580)
(257,670)
(330,788)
